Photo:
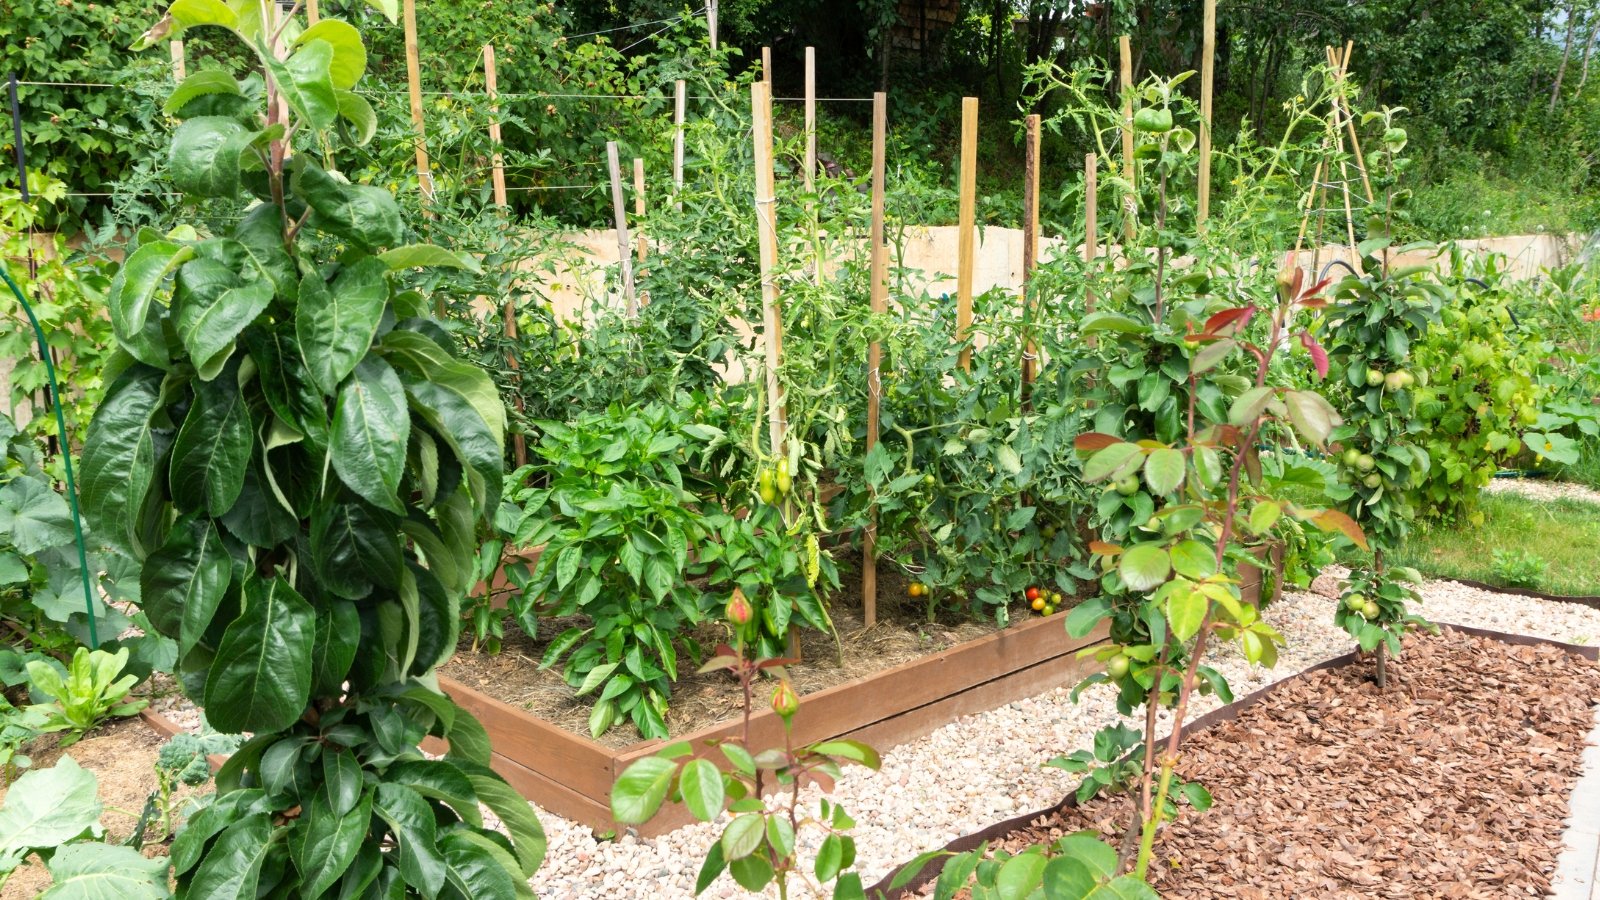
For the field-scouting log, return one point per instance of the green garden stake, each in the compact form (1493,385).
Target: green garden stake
(66,453)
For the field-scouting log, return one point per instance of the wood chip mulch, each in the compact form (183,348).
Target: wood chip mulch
(1452,784)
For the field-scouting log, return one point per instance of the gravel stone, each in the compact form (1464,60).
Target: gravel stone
(1541,489)
(984,768)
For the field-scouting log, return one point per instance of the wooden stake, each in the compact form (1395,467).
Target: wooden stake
(879,299)
(766,68)
(966,250)
(620,217)
(638,205)
(1030,246)
(711,22)
(313,12)
(180,71)
(414,81)
(767,238)
(1350,124)
(1208,52)
(680,104)
(1130,205)
(498,160)
(1344,170)
(811,161)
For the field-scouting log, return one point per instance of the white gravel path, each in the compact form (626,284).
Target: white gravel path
(988,767)
(1542,489)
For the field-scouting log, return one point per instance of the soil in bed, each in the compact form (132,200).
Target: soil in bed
(901,634)
(122,756)
(1452,784)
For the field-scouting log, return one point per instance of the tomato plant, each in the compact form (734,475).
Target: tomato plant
(299,462)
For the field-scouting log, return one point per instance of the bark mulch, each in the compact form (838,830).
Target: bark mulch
(1452,784)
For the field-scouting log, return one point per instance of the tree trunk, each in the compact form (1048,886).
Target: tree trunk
(1566,54)
(1588,51)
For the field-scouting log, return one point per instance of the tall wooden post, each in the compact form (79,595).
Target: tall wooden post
(966,250)
(498,160)
(1030,248)
(711,22)
(180,70)
(620,216)
(1208,52)
(879,298)
(414,82)
(811,161)
(766,70)
(638,205)
(1130,204)
(313,12)
(767,239)
(680,105)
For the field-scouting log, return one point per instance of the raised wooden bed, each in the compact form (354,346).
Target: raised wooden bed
(571,775)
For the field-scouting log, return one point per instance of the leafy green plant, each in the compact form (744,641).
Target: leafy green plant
(18,727)
(66,292)
(91,693)
(759,846)
(55,814)
(1479,398)
(90,136)
(41,573)
(609,504)
(299,463)
(1519,568)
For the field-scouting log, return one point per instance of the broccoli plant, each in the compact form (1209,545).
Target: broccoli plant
(185,760)
(293,452)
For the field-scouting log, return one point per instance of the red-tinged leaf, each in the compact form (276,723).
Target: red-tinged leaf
(1093,441)
(1235,319)
(1332,520)
(823,781)
(1101,548)
(1312,291)
(717,663)
(726,650)
(1319,356)
(1314,302)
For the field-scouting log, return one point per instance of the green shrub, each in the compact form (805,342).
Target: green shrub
(1478,398)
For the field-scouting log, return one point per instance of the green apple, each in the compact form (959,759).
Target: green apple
(1393,382)
(1355,602)
(1373,481)
(1118,666)
(1365,462)
(1374,378)
(1352,456)
(1127,485)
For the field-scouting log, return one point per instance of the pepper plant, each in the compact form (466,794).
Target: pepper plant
(293,453)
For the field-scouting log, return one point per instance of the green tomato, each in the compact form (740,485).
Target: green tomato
(1153,120)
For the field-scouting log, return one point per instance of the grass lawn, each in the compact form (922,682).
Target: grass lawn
(1564,534)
